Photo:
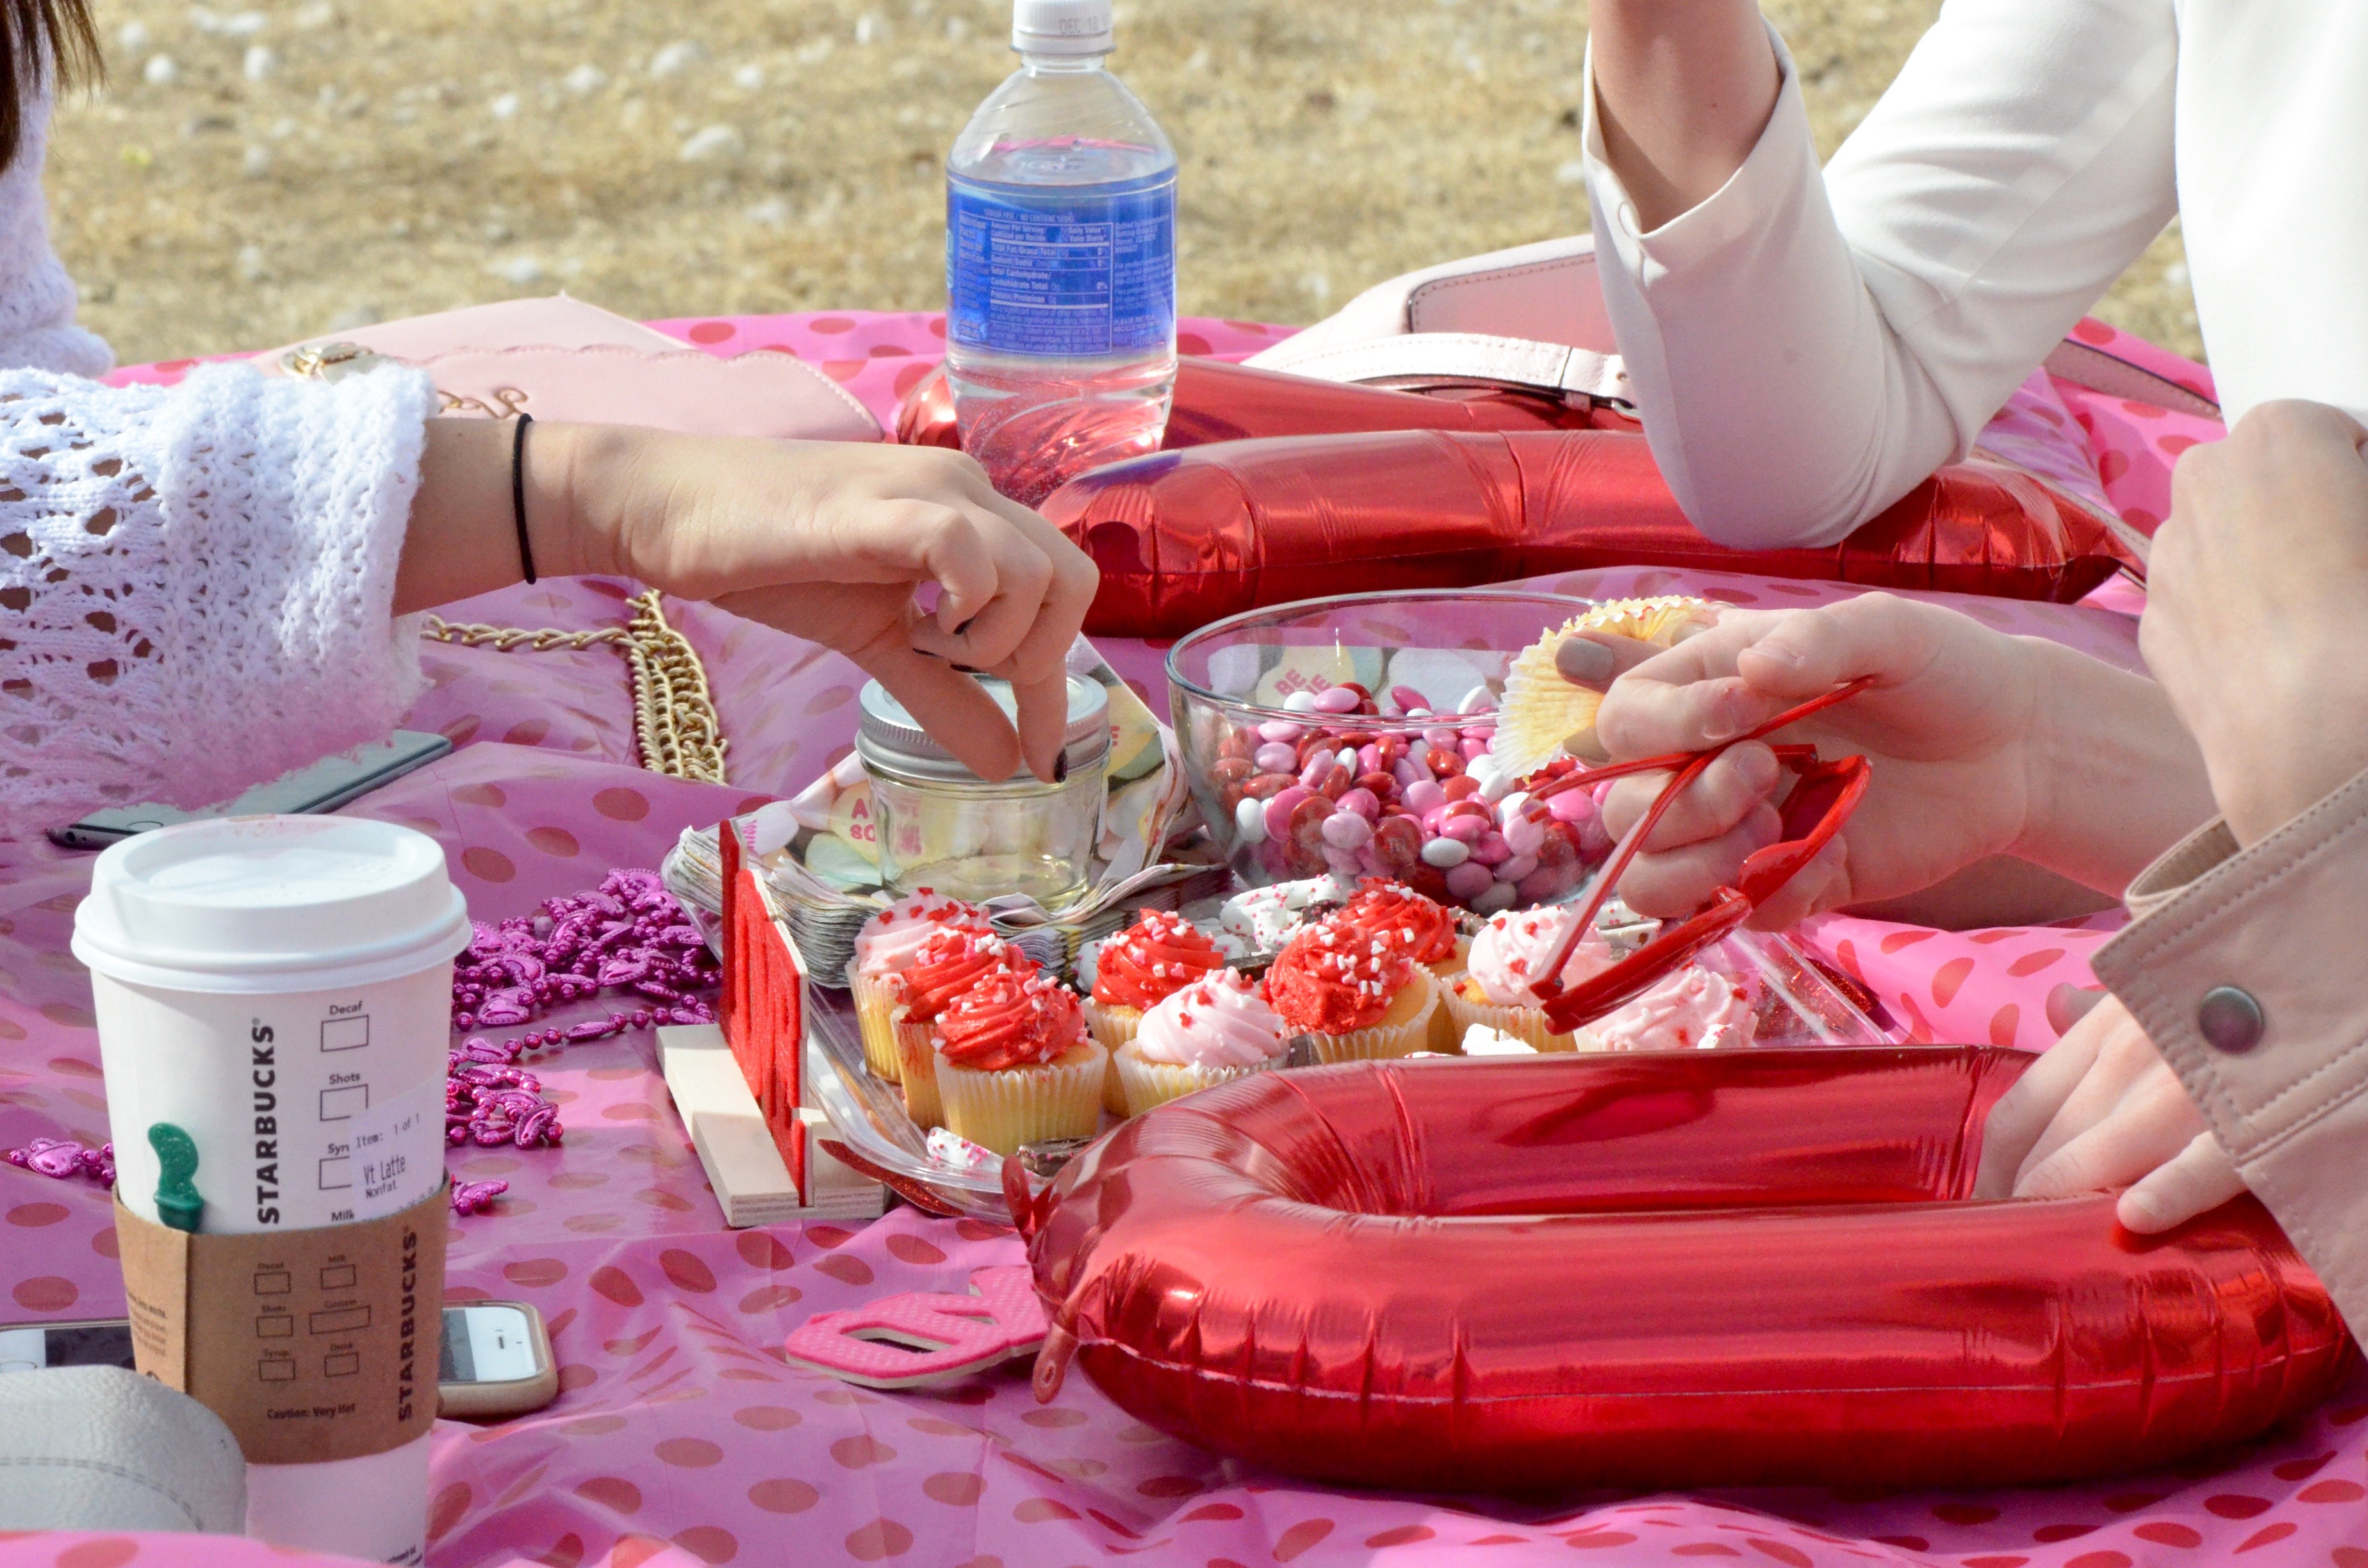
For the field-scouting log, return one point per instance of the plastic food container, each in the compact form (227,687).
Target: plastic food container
(1279,776)
(943,826)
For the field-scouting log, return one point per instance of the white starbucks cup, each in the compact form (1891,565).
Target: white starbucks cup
(280,989)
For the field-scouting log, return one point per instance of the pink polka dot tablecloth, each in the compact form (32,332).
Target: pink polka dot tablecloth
(681,1439)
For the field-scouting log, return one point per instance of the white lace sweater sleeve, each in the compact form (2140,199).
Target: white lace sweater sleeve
(197,583)
(1805,349)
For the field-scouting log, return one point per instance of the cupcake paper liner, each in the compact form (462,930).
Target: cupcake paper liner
(917,1058)
(1113,1026)
(1002,1110)
(875,1007)
(1143,1084)
(1527,1025)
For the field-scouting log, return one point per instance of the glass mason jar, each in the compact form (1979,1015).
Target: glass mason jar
(943,826)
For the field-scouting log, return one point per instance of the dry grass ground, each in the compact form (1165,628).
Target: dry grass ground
(268,169)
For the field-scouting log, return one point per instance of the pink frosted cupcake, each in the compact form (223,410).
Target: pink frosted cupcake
(1214,1031)
(1693,1009)
(1511,951)
(884,949)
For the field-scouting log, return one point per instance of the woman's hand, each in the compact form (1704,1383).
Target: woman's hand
(2254,620)
(2101,1110)
(827,540)
(1948,722)
(1982,746)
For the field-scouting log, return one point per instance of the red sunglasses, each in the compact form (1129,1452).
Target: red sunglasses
(1821,799)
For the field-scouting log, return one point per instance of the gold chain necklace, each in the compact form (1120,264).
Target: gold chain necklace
(675,723)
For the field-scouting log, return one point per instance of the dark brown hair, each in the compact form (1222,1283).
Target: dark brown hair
(43,43)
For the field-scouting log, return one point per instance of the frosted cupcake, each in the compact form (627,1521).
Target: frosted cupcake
(1360,997)
(1510,952)
(883,948)
(1693,1009)
(1015,1063)
(1142,966)
(1210,1032)
(950,963)
(1394,911)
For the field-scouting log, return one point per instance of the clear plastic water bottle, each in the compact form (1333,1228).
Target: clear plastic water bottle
(1060,261)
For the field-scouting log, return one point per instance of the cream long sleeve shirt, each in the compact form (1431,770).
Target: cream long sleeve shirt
(1806,348)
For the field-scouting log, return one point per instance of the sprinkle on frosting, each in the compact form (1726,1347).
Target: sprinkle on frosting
(1009,1019)
(890,939)
(1151,960)
(1688,1010)
(1384,908)
(1219,1021)
(1514,947)
(1333,979)
(950,963)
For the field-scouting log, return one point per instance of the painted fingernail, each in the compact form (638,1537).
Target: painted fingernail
(1061,767)
(1583,745)
(1583,662)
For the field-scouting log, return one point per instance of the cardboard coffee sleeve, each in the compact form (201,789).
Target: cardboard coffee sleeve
(310,1345)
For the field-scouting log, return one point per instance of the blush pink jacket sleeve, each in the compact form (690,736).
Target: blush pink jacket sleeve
(2281,923)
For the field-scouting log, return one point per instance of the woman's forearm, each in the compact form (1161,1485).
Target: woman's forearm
(2115,778)
(1682,90)
(462,539)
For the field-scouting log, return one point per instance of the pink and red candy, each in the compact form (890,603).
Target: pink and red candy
(1333,796)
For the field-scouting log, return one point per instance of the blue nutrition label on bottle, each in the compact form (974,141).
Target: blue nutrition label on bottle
(1069,273)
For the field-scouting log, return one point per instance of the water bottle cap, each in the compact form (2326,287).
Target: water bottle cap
(1060,27)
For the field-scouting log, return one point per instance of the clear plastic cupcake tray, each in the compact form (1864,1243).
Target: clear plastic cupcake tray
(1792,1004)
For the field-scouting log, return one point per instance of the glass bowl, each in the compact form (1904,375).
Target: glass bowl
(1432,663)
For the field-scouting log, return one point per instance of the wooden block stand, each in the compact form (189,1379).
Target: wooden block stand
(740,1088)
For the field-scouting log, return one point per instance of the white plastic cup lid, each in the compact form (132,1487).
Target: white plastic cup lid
(270,903)
(1060,27)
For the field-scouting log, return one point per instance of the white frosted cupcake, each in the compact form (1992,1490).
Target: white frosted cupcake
(1511,950)
(886,946)
(1015,1064)
(1213,1031)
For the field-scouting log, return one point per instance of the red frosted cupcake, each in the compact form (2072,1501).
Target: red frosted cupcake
(1360,996)
(883,948)
(948,964)
(1393,912)
(1015,1064)
(1138,968)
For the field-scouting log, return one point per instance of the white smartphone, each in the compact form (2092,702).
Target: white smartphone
(323,786)
(496,1357)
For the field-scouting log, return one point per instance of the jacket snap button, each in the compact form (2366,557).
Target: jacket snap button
(2230,1019)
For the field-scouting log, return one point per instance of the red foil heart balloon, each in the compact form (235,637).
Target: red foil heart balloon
(1683,1269)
